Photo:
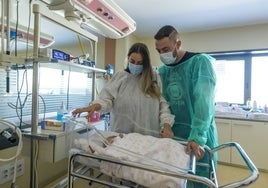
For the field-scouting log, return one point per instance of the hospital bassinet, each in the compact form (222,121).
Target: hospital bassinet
(84,164)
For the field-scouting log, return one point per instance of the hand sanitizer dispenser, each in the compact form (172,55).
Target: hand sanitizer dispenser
(61,112)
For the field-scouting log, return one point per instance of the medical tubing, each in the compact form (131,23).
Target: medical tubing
(19,147)
(148,131)
(15,171)
(70,125)
(73,123)
(151,132)
(81,45)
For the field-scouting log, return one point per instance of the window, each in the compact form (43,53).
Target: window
(259,88)
(55,86)
(241,76)
(230,81)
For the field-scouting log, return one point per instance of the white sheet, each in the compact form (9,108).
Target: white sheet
(158,152)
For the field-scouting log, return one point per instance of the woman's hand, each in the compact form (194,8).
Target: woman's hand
(166,131)
(90,109)
(77,112)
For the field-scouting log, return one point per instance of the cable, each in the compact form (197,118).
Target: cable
(35,162)
(19,147)
(19,115)
(68,88)
(17,25)
(22,105)
(15,173)
(28,27)
(81,45)
(83,49)
(19,103)
(91,46)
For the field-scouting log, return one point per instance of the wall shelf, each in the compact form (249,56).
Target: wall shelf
(8,60)
(66,65)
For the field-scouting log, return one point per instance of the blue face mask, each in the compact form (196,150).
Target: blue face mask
(135,69)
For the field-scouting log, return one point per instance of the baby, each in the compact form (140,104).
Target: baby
(162,153)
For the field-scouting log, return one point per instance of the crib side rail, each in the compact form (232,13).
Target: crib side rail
(254,173)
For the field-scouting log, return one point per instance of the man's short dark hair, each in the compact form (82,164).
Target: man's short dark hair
(166,31)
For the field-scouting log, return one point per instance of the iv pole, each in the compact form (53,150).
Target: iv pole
(39,11)
(35,92)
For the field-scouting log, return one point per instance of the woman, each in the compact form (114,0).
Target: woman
(133,96)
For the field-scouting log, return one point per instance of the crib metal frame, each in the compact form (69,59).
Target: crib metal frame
(189,175)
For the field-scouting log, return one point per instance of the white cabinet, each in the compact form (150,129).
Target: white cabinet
(224,135)
(252,137)
(51,148)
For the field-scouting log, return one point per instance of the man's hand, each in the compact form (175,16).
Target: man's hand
(198,150)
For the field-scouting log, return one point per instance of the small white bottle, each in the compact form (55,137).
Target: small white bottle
(248,104)
(255,107)
(61,112)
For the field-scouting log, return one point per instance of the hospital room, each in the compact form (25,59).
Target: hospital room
(116,93)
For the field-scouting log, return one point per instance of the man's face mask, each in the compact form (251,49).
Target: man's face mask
(168,58)
(135,69)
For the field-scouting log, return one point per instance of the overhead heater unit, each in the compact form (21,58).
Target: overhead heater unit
(101,16)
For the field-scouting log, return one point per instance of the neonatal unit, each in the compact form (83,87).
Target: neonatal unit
(80,160)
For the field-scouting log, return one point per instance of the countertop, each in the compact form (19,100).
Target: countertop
(258,119)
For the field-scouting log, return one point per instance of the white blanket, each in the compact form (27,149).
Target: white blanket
(162,153)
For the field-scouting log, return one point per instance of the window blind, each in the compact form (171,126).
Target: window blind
(55,87)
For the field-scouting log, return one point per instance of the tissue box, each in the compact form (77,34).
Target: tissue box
(52,124)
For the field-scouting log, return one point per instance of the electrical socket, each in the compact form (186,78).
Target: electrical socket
(7,171)
(20,167)
(4,174)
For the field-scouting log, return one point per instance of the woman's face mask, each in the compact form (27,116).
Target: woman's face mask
(135,69)
(168,58)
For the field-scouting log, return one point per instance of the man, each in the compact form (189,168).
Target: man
(189,82)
